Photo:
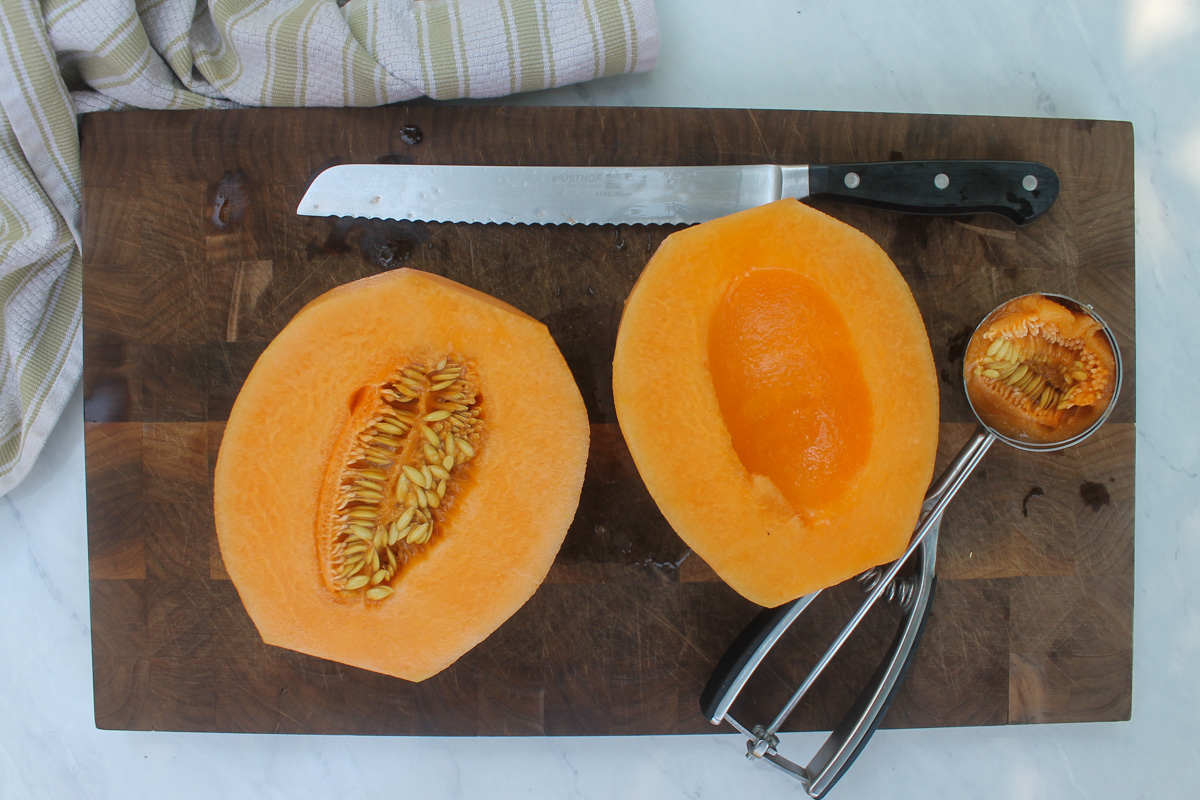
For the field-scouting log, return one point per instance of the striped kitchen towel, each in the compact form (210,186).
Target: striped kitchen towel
(59,58)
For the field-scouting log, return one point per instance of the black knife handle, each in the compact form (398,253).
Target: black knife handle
(1019,190)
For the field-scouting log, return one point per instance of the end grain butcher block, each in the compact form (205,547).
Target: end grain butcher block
(194,259)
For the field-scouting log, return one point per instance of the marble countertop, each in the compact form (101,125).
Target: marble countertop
(1130,60)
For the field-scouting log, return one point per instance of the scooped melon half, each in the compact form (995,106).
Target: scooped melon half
(775,386)
(398,473)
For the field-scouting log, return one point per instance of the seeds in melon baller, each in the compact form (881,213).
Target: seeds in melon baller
(401,473)
(1042,369)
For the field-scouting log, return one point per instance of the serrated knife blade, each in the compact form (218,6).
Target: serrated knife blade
(568,195)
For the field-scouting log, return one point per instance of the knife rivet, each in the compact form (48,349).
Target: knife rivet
(941,180)
(1029,182)
(852,180)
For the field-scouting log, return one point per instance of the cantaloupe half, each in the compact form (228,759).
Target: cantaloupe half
(398,473)
(774,382)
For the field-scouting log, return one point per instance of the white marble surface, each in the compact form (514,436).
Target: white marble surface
(1110,59)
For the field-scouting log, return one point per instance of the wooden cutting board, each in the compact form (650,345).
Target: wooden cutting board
(194,259)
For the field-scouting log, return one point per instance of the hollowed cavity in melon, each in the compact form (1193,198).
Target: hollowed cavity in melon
(790,390)
(398,473)
(774,383)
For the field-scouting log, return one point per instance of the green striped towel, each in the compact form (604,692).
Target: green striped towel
(59,58)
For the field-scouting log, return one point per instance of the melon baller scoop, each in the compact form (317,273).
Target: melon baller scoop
(912,593)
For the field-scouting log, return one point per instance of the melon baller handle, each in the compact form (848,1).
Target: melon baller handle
(851,735)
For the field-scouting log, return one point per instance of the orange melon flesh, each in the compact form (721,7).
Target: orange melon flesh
(774,383)
(508,519)
(790,390)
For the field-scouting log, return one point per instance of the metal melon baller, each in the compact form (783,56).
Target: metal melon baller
(913,594)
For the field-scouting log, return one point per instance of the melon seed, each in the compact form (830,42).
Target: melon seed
(415,475)
(406,517)
(431,437)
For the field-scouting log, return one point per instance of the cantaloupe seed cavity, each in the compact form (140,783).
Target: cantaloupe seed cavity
(790,386)
(403,459)
(1040,369)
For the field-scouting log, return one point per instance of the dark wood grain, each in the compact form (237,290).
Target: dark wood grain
(194,259)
